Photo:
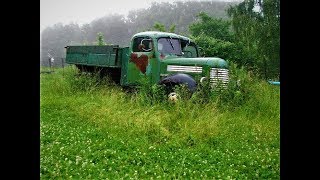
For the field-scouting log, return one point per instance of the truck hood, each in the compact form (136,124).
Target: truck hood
(200,61)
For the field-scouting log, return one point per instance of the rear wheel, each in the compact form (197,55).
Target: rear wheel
(113,73)
(84,68)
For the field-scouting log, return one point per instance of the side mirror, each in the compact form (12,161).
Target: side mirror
(143,45)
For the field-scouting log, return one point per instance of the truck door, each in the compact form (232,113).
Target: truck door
(141,55)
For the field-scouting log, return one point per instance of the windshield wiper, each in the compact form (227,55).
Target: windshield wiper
(170,42)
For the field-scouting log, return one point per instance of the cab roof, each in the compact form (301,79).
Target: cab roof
(158,34)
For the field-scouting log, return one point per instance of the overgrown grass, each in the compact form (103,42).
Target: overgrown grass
(92,129)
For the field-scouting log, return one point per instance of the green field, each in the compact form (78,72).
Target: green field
(92,130)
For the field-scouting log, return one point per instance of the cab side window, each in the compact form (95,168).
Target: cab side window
(142,44)
(189,49)
(190,52)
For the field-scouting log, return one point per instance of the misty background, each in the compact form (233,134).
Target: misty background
(77,22)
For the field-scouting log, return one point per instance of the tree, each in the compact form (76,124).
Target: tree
(256,24)
(216,39)
(172,28)
(100,39)
(212,27)
(160,27)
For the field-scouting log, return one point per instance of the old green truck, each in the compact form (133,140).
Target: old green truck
(165,58)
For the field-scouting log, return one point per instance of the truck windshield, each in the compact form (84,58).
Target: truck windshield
(169,46)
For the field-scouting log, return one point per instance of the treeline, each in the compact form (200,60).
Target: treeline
(250,38)
(118,29)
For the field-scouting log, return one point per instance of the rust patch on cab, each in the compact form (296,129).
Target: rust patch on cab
(140,62)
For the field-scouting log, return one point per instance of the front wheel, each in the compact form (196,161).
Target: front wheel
(179,86)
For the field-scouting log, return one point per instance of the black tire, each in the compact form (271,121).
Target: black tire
(172,81)
(176,79)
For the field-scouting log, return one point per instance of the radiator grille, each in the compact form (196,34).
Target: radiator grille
(190,69)
(219,76)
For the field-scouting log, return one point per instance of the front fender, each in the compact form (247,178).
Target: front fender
(177,79)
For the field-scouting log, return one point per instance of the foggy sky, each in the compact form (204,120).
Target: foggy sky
(84,11)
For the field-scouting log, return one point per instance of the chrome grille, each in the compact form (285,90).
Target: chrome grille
(190,69)
(218,75)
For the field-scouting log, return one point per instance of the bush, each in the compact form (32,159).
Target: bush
(85,81)
(237,92)
(229,51)
(150,94)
